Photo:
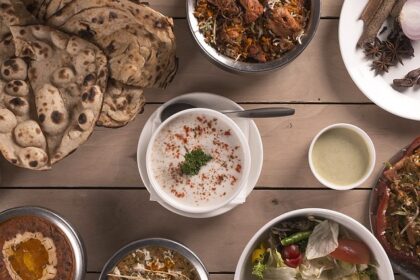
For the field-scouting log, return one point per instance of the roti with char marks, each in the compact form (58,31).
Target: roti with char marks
(138,41)
(52,98)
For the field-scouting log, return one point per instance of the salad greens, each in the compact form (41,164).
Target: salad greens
(323,240)
(308,249)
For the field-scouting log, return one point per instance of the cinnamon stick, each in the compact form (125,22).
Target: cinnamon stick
(397,8)
(370,10)
(370,30)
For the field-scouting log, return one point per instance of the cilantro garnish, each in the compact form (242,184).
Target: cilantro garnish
(193,162)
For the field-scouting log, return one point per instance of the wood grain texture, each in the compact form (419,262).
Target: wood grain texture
(108,159)
(317,75)
(177,9)
(108,219)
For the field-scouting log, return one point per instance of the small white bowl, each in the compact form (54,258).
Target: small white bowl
(369,145)
(384,268)
(246,164)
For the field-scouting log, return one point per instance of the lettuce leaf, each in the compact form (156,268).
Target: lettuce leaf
(280,273)
(315,269)
(274,258)
(258,270)
(323,240)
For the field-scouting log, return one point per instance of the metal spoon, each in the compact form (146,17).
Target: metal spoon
(252,113)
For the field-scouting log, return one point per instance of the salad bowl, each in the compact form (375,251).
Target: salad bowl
(379,258)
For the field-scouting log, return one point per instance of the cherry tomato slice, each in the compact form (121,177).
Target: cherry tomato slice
(352,251)
(293,262)
(292,256)
(291,252)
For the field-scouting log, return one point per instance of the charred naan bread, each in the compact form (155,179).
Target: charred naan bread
(138,41)
(122,104)
(13,12)
(52,96)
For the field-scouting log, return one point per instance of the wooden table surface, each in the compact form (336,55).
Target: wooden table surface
(98,188)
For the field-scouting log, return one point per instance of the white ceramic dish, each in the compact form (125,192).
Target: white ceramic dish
(377,88)
(216,102)
(242,142)
(243,269)
(369,145)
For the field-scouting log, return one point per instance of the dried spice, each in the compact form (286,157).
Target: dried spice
(373,49)
(412,78)
(389,52)
(374,15)
(392,50)
(381,65)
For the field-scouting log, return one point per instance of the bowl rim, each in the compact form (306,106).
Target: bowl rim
(233,66)
(323,213)
(73,237)
(246,166)
(369,145)
(156,241)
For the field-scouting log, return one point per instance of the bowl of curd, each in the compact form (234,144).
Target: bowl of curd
(198,161)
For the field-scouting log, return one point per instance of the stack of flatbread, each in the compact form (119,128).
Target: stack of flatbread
(138,42)
(68,65)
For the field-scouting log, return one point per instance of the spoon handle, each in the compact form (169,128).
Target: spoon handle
(262,112)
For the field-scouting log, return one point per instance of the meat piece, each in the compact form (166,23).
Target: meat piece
(232,34)
(227,7)
(253,10)
(255,51)
(282,23)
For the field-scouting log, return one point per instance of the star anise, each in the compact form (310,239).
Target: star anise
(373,49)
(392,52)
(381,64)
(405,47)
(398,46)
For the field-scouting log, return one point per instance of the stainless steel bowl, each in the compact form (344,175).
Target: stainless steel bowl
(234,66)
(71,234)
(160,242)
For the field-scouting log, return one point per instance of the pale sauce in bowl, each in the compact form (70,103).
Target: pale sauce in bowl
(341,156)
(217,180)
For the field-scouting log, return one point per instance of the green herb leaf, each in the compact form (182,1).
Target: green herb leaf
(369,273)
(258,270)
(193,162)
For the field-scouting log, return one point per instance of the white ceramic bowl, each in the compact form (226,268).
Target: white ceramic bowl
(243,269)
(369,145)
(246,164)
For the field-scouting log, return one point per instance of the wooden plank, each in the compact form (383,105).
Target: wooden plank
(331,8)
(108,159)
(109,219)
(317,75)
(177,8)
(92,276)
(172,8)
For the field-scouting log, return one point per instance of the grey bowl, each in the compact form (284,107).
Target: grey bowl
(161,242)
(68,230)
(231,65)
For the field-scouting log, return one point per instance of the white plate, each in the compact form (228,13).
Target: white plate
(378,88)
(212,101)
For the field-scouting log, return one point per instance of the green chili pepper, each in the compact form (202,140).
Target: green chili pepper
(295,238)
